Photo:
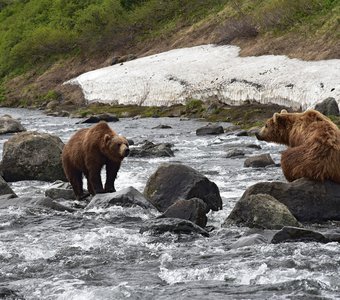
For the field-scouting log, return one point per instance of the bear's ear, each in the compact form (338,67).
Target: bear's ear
(278,118)
(107,139)
(283,111)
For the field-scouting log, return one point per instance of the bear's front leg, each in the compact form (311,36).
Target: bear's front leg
(95,182)
(111,174)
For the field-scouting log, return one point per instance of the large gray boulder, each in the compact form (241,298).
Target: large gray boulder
(261,211)
(172,182)
(10,125)
(328,107)
(307,200)
(32,156)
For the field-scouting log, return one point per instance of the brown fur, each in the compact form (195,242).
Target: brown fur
(313,142)
(87,152)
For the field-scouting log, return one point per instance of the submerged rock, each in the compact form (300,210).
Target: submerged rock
(249,240)
(210,130)
(32,156)
(10,294)
(193,210)
(34,202)
(127,197)
(10,125)
(171,182)
(5,188)
(162,126)
(101,117)
(173,225)
(259,161)
(307,200)
(293,234)
(149,149)
(235,153)
(261,211)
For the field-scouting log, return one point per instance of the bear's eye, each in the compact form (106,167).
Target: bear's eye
(266,126)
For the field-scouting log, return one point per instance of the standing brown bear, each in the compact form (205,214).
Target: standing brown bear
(87,152)
(313,142)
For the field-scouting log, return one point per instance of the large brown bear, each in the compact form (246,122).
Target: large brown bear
(87,152)
(313,143)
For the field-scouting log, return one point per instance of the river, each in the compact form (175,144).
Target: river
(99,254)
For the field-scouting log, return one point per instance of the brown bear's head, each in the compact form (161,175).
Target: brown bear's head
(116,147)
(277,128)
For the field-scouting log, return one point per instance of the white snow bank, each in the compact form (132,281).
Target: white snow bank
(213,71)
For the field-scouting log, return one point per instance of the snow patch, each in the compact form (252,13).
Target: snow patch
(213,71)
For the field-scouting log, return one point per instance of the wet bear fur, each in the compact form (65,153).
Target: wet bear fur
(87,151)
(313,142)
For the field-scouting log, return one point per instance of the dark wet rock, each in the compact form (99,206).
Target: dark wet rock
(61,113)
(307,200)
(210,130)
(328,107)
(293,234)
(32,156)
(10,125)
(332,236)
(253,146)
(261,211)
(10,294)
(241,133)
(235,153)
(101,117)
(5,188)
(193,210)
(162,127)
(259,161)
(131,142)
(232,129)
(5,197)
(60,189)
(127,197)
(253,131)
(34,202)
(173,225)
(249,240)
(171,182)
(149,149)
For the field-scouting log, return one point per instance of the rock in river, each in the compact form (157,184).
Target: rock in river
(10,125)
(193,210)
(172,182)
(261,211)
(178,226)
(307,200)
(127,197)
(32,156)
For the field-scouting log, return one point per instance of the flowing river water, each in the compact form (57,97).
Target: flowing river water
(100,254)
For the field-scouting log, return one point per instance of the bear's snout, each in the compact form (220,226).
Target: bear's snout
(258,136)
(126,152)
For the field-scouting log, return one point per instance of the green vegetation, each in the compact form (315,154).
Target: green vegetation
(34,34)
(35,31)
